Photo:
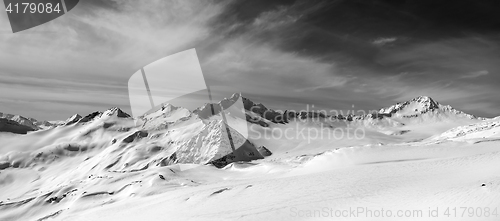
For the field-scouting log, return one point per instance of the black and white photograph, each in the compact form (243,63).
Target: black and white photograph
(252,110)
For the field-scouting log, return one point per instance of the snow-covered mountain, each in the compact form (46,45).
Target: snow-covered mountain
(487,129)
(419,118)
(12,126)
(110,157)
(423,105)
(71,120)
(28,122)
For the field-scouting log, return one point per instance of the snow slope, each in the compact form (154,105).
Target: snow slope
(178,164)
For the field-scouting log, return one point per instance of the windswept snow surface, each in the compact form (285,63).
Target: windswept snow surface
(419,160)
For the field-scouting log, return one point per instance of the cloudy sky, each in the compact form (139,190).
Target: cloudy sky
(334,54)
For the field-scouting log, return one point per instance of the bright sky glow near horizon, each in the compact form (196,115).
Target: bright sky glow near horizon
(285,54)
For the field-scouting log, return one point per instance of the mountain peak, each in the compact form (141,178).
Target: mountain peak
(116,111)
(29,122)
(423,98)
(90,116)
(73,119)
(421,105)
(415,106)
(427,101)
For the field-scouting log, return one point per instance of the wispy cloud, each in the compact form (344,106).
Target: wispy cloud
(332,84)
(88,55)
(384,41)
(476,74)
